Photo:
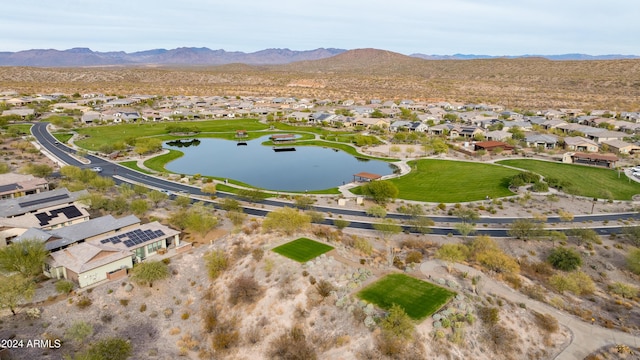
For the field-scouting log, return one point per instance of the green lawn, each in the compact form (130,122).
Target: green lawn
(109,134)
(584,180)
(134,166)
(453,181)
(302,250)
(20,128)
(418,298)
(62,137)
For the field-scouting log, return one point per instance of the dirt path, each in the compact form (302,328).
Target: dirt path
(586,338)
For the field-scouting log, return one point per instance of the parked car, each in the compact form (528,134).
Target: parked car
(96,169)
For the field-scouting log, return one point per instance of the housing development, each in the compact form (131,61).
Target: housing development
(166,226)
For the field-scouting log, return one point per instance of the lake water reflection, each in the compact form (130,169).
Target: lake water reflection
(306,168)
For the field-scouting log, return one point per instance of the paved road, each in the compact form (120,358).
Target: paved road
(585,337)
(122,174)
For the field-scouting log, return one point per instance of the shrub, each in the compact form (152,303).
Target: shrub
(84,302)
(244,289)
(577,283)
(112,349)
(324,288)
(210,318)
(414,257)
(363,245)
(143,307)
(489,315)
(64,286)
(546,322)
(217,262)
(292,344)
(257,253)
(185,315)
(79,331)
(625,290)
(564,259)
(124,302)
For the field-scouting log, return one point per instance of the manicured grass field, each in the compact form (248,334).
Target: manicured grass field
(109,134)
(447,181)
(419,299)
(302,250)
(585,180)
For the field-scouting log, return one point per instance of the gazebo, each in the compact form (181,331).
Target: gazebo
(365,176)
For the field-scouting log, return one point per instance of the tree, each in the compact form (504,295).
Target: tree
(149,271)
(388,228)
(397,323)
(341,223)
(421,224)
(466,215)
(452,253)
(15,289)
(107,349)
(252,195)
(633,261)
(382,191)
(394,149)
(229,204)
(156,197)
(564,259)
(200,219)
(304,202)
(525,229)
(376,211)
(139,206)
(39,170)
(209,188)
(465,229)
(287,220)
(26,257)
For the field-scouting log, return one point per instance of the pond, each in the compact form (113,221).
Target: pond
(292,168)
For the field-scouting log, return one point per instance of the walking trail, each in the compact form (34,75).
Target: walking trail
(585,338)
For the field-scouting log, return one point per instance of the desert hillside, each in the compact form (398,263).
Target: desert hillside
(531,83)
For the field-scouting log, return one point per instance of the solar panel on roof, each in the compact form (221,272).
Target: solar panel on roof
(44,218)
(128,243)
(71,212)
(115,241)
(43,200)
(104,241)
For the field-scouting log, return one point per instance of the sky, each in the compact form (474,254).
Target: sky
(481,27)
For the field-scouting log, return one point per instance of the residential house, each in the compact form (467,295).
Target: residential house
(92,251)
(603,160)
(621,147)
(520,124)
(470,132)
(46,210)
(497,135)
(552,124)
(599,135)
(580,144)
(492,146)
(545,141)
(15,185)
(23,113)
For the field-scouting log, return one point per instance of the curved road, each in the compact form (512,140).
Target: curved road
(121,174)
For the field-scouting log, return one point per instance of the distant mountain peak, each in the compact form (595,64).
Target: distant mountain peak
(186,56)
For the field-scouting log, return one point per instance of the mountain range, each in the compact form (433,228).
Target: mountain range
(192,56)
